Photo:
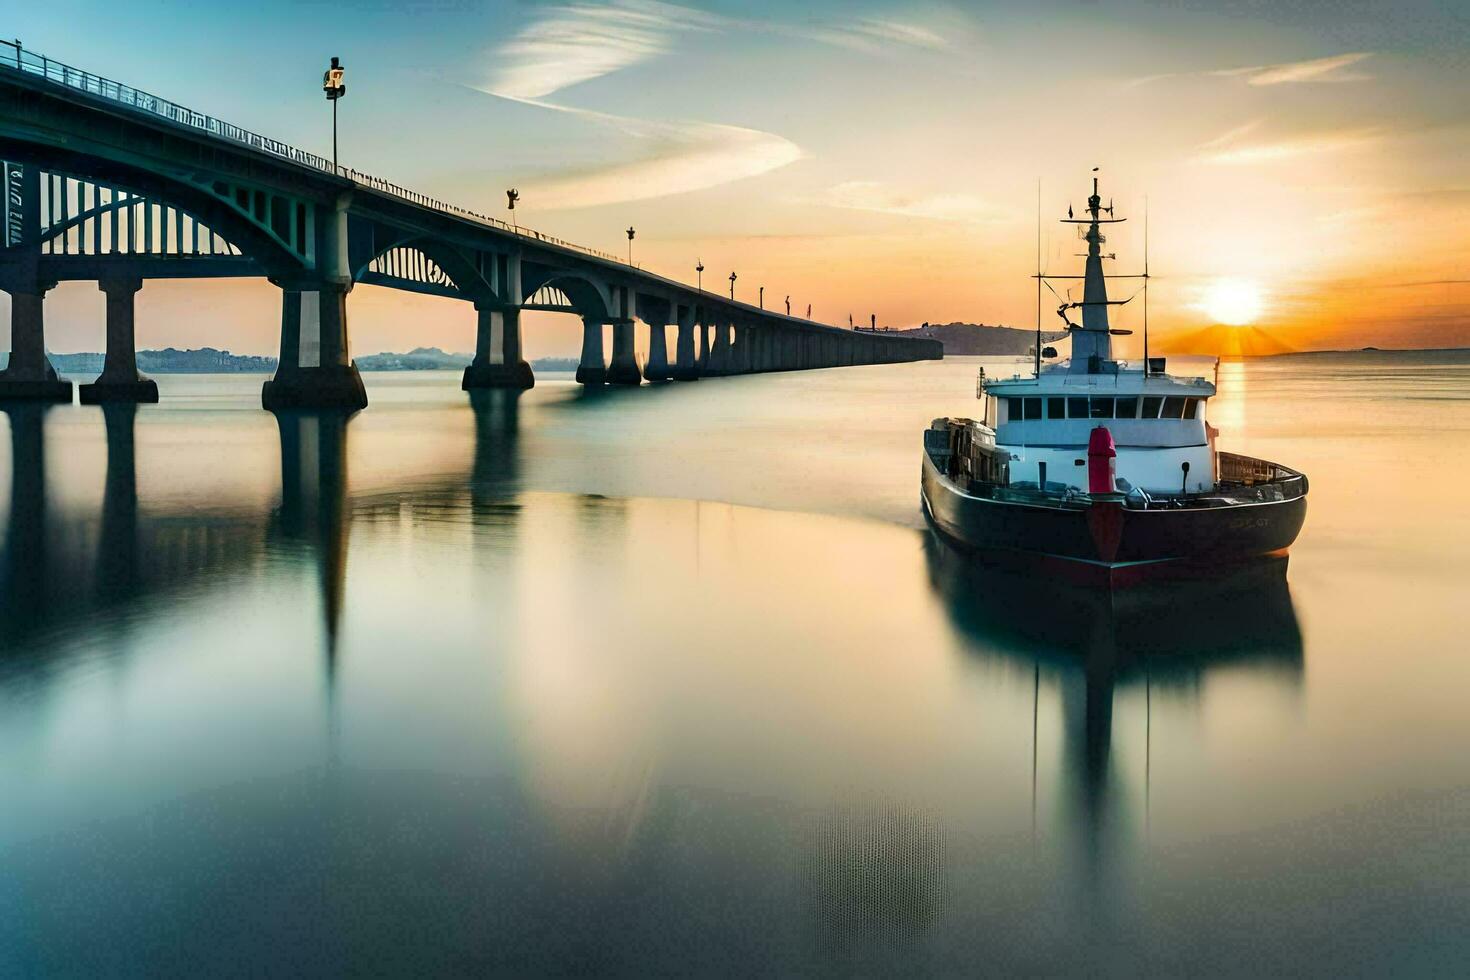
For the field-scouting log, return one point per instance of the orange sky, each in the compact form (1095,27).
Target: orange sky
(870,158)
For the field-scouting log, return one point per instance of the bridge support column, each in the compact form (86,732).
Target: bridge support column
(624,367)
(685,368)
(657,368)
(498,361)
(739,348)
(316,371)
(719,355)
(120,380)
(701,350)
(592,370)
(29,373)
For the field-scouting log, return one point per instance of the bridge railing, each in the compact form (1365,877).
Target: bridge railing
(15,57)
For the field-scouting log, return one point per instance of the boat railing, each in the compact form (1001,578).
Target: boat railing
(1248,471)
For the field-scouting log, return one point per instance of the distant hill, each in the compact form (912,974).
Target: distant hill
(962,339)
(434,359)
(1223,341)
(170,360)
(418,359)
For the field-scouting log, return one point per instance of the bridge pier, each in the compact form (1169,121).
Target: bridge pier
(314,370)
(719,355)
(685,368)
(657,368)
(701,350)
(739,339)
(593,369)
(498,361)
(624,367)
(120,380)
(29,374)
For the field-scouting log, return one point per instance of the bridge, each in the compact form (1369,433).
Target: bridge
(106,183)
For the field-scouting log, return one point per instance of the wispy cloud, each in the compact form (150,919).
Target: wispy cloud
(1232,135)
(866,195)
(1235,151)
(678,157)
(874,35)
(1314,70)
(1321,70)
(583,41)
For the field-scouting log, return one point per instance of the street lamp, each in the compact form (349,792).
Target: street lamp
(511,197)
(335,88)
(763,297)
(788,306)
(630,244)
(699,275)
(732,285)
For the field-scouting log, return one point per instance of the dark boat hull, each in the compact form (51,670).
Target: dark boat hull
(1107,540)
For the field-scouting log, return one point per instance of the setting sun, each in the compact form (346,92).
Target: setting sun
(1234,302)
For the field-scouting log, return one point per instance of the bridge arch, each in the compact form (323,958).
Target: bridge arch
(420,264)
(586,297)
(281,239)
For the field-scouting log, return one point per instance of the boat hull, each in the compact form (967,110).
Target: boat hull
(1105,535)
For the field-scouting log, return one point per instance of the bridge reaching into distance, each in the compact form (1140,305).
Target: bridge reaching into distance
(104,182)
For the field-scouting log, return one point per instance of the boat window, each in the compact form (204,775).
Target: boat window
(1127,408)
(1173,407)
(1077,408)
(1191,407)
(1102,408)
(1056,408)
(1151,407)
(1015,410)
(1033,409)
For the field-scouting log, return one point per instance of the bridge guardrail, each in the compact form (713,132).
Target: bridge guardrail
(15,57)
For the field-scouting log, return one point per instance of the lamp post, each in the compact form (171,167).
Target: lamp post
(699,275)
(630,244)
(335,88)
(763,297)
(788,306)
(511,197)
(732,285)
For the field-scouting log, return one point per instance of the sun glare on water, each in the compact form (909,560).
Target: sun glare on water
(1234,302)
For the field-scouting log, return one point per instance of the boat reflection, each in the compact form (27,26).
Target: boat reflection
(1161,637)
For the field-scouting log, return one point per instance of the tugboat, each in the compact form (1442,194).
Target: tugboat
(1107,467)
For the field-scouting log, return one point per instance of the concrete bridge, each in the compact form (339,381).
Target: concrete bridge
(103,182)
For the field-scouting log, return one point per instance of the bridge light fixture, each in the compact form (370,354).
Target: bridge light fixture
(699,274)
(511,197)
(732,285)
(630,244)
(335,87)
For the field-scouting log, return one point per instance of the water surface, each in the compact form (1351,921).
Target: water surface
(675,679)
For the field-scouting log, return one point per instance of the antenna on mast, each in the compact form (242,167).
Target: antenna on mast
(1038,277)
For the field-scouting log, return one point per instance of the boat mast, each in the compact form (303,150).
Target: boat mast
(1038,278)
(1145,287)
(1092,344)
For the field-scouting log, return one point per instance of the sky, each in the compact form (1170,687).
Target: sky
(1302,164)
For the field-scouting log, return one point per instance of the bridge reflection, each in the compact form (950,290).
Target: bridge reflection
(59,566)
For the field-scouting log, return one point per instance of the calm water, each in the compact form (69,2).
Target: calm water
(675,680)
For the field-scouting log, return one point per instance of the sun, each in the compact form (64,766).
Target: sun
(1234,302)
